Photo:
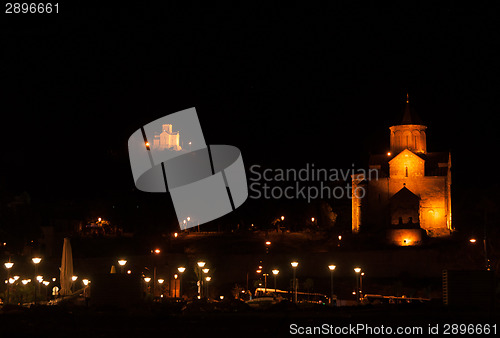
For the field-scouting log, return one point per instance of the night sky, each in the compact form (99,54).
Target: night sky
(288,84)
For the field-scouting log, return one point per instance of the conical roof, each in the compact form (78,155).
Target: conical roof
(409,114)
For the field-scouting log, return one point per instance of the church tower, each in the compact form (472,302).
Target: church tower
(410,134)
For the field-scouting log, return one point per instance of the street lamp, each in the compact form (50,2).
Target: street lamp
(357,270)
(331,267)
(160,281)
(208,279)
(200,264)
(294,265)
(265,282)
(361,284)
(181,270)
(8,266)
(275,274)
(36,261)
(122,263)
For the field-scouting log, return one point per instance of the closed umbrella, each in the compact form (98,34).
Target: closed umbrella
(66,268)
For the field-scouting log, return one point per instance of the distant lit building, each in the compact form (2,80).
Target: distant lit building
(412,193)
(166,139)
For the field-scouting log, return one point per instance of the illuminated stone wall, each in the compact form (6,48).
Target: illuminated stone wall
(404,237)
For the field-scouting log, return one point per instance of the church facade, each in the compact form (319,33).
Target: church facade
(167,139)
(411,196)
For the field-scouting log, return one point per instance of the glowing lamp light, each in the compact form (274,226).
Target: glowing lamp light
(157,251)
(389,153)
(294,264)
(282,218)
(147,144)
(36,260)
(8,265)
(201,264)
(275,271)
(122,262)
(25,281)
(268,242)
(176,234)
(85,282)
(74,278)
(160,281)
(312,219)
(46,282)
(147,279)
(181,269)
(357,270)
(129,272)
(472,240)
(205,270)
(208,278)
(331,267)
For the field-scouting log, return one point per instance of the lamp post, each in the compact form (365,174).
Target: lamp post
(156,252)
(331,267)
(275,274)
(208,279)
(181,270)
(36,261)
(205,271)
(357,270)
(200,264)
(265,282)
(160,281)
(361,275)
(122,263)
(8,266)
(294,265)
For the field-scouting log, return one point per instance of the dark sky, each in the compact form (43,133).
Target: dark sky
(286,83)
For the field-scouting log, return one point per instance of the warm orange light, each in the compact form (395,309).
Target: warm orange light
(282,218)
(258,271)
(157,251)
(312,219)
(268,242)
(472,240)
(176,234)
(388,153)
(147,144)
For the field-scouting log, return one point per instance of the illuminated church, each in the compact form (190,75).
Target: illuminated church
(411,196)
(166,139)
